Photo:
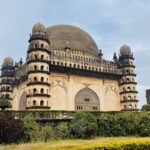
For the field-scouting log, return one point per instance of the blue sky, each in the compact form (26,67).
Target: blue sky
(111,23)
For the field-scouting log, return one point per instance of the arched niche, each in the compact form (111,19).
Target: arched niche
(58,98)
(111,101)
(87,99)
(23,101)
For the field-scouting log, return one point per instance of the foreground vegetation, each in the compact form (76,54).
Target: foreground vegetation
(84,125)
(115,143)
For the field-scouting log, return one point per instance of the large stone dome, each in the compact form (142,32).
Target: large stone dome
(62,36)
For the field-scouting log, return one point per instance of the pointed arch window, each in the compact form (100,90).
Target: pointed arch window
(34,91)
(42,91)
(41,103)
(42,67)
(42,57)
(42,45)
(35,79)
(34,103)
(35,67)
(42,79)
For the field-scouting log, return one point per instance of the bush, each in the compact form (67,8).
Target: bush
(120,146)
(4,103)
(124,124)
(144,124)
(121,124)
(146,107)
(108,125)
(11,130)
(84,125)
(32,128)
(63,130)
(47,132)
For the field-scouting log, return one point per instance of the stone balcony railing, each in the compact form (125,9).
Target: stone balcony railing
(100,66)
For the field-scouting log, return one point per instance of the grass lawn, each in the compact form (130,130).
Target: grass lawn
(73,144)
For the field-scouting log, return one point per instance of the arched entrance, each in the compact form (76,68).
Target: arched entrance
(23,101)
(86,99)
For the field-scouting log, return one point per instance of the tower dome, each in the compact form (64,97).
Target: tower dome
(125,50)
(38,28)
(8,61)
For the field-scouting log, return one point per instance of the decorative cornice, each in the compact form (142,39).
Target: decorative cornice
(12,68)
(130,109)
(126,92)
(38,60)
(125,83)
(38,95)
(3,76)
(83,72)
(129,74)
(6,83)
(38,71)
(39,37)
(38,107)
(38,83)
(5,90)
(126,57)
(128,101)
(38,49)
(123,66)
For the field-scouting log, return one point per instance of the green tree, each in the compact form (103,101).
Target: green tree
(47,132)
(146,107)
(32,127)
(84,125)
(119,124)
(144,124)
(5,104)
(11,129)
(63,130)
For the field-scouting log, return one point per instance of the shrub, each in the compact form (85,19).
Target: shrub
(144,124)
(146,107)
(63,130)
(124,124)
(120,124)
(108,125)
(84,125)
(5,104)
(127,124)
(11,130)
(32,127)
(47,132)
(140,145)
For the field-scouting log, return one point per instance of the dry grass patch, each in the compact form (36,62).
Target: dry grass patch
(74,144)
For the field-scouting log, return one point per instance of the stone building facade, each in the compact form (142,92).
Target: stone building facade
(65,70)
